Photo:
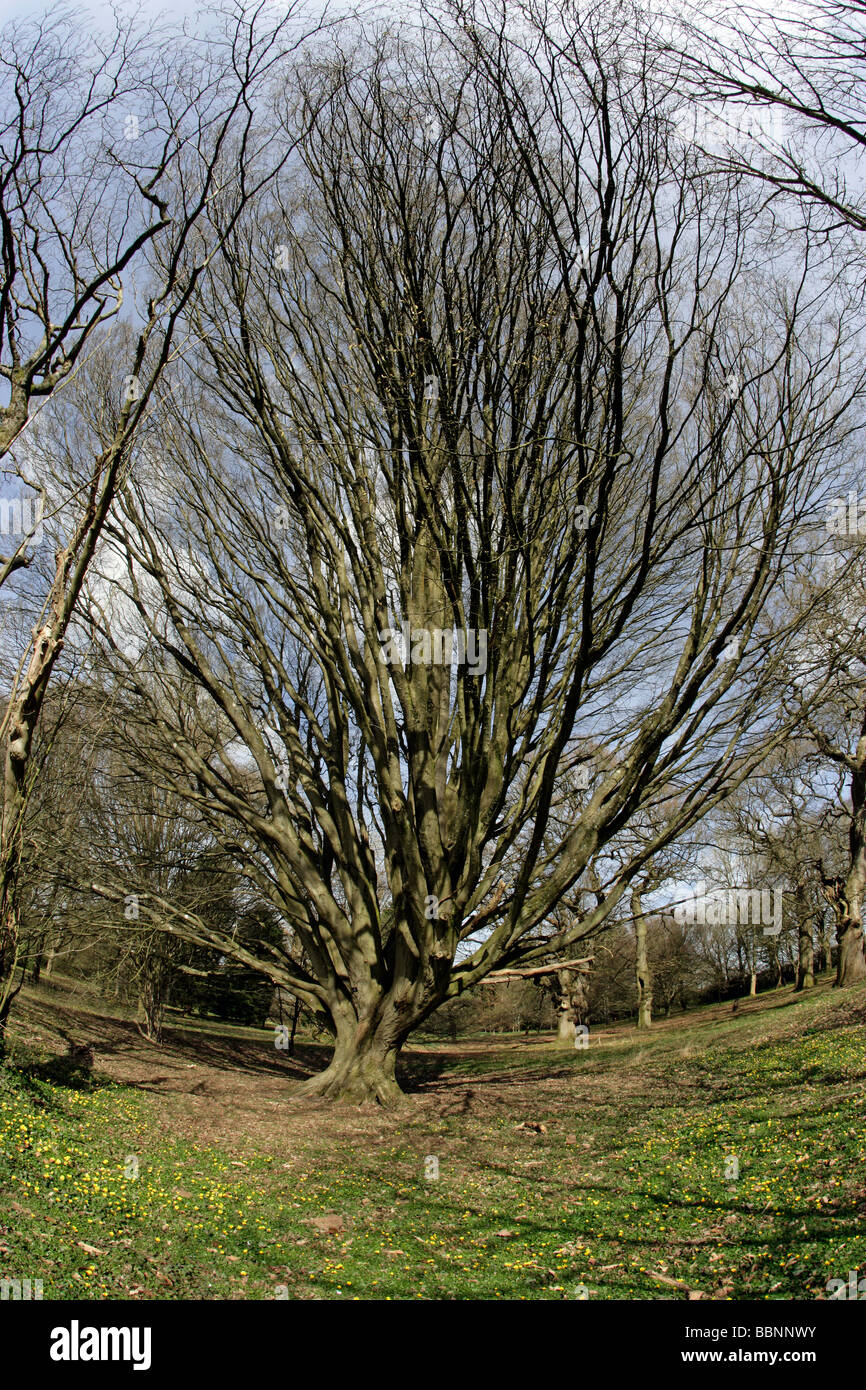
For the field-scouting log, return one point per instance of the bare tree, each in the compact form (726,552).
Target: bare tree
(831,697)
(477,367)
(76,204)
(198,113)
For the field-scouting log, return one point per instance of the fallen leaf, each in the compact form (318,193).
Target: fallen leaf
(663,1279)
(89,1249)
(328,1225)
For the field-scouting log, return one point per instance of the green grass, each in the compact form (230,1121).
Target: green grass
(628,1182)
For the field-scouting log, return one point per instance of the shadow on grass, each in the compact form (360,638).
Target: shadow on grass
(73,1071)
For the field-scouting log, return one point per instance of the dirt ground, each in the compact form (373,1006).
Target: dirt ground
(228,1090)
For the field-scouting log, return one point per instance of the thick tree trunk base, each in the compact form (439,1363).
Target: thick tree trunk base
(358,1078)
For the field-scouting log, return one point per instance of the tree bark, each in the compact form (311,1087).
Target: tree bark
(570,995)
(851,961)
(845,894)
(566,1030)
(846,901)
(152,1009)
(361,1071)
(805,956)
(295,1016)
(851,956)
(805,943)
(643,976)
(823,962)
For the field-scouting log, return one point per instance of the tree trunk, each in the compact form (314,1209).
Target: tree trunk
(851,957)
(753,982)
(362,1070)
(9,959)
(295,1017)
(152,1008)
(823,964)
(11,840)
(5,1007)
(642,969)
(845,895)
(566,1030)
(805,954)
(570,1007)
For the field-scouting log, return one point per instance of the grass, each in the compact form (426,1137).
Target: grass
(721,1155)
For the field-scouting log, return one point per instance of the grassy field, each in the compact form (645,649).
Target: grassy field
(720,1157)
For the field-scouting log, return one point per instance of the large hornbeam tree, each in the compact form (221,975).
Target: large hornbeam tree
(494,357)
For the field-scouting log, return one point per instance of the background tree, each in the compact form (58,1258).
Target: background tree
(83,189)
(833,716)
(203,152)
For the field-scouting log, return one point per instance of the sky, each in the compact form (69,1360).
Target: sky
(175,10)
(15,9)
